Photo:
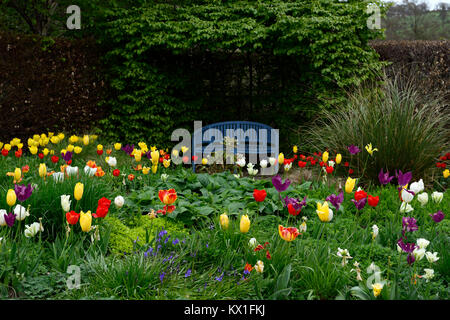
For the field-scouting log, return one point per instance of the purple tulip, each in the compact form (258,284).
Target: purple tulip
(384,178)
(409,224)
(10,218)
(336,200)
(279,185)
(403,179)
(23,192)
(128,149)
(410,258)
(408,248)
(438,216)
(360,204)
(67,156)
(353,149)
(295,202)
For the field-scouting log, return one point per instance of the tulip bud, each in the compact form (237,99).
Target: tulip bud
(224,221)
(325,156)
(78,192)
(154,168)
(338,158)
(86,140)
(119,201)
(349,185)
(11,197)
(117,146)
(244,224)
(17,174)
(281,158)
(42,170)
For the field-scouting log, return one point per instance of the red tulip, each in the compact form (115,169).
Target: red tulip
(302,164)
(373,201)
(5,152)
(350,171)
(292,210)
(302,157)
(321,163)
(116,172)
(72,217)
(100,152)
(55,159)
(41,156)
(18,153)
(359,195)
(69,162)
(103,208)
(259,195)
(329,169)
(345,164)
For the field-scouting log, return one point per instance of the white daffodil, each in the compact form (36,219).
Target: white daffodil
(259,266)
(344,254)
(423,198)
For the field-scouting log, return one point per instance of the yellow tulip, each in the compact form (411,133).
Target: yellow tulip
(70,147)
(295,149)
(349,185)
(338,158)
(45,151)
(281,158)
(184,149)
(43,136)
(325,156)
(93,137)
(36,137)
(145,170)
(14,142)
(51,134)
(63,151)
(19,145)
(166,163)
(42,170)
(155,157)
(33,149)
(138,156)
(324,212)
(117,146)
(154,168)
(99,147)
(43,142)
(446,173)
(85,221)
(1,145)
(17,174)
(244,224)
(52,152)
(204,161)
(11,197)
(54,139)
(85,139)
(143,146)
(77,149)
(78,192)
(224,221)
(7,147)
(73,139)
(60,136)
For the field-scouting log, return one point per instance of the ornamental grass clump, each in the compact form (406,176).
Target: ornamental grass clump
(409,131)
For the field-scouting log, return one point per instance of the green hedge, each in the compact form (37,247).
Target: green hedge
(276,62)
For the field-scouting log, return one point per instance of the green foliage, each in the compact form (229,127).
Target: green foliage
(409,131)
(164,62)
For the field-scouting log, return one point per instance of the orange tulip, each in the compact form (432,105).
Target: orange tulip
(288,234)
(167,197)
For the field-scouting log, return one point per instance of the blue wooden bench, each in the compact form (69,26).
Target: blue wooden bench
(247,134)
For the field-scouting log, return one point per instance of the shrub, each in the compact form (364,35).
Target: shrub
(409,131)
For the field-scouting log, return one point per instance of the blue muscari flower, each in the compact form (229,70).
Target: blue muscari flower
(176,241)
(161,276)
(219,278)
(188,273)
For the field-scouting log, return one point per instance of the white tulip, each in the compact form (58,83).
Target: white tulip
(374,231)
(2,217)
(259,266)
(58,176)
(432,257)
(112,161)
(423,198)
(20,212)
(417,187)
(331,163)
(71,171)
(429,274)
(422,243)
(263,163)
(406,207)
(252,243)
(437,196)
(287,166)
(241,162)
(119,201)
(33,229)
(406,196)
(65,202)
(164,177)
(90,171)
(272,161)
(419,254)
